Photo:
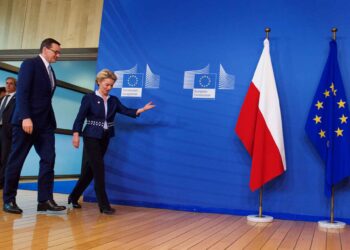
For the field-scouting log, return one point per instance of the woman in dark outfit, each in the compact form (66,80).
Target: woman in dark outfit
(99,110)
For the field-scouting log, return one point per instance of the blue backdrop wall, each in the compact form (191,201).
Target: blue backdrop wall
(184,154)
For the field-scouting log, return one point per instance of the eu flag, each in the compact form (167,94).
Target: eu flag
(328,122)
(132,80)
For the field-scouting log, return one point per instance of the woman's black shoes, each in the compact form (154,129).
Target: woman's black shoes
(75,204)
(108,211)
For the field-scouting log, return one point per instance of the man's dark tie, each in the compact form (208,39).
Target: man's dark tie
(51,77)
(3,106)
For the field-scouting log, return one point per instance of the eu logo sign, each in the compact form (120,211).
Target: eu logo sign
(132,85)
(131,82)
(204,86)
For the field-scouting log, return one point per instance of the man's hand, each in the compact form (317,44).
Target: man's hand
(27,125)
(75,140)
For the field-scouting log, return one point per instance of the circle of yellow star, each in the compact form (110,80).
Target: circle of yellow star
(322,134)
(319,105)
(317,119)
(326,93)
(341,104)
(339,132)
(333,89)
(343,119)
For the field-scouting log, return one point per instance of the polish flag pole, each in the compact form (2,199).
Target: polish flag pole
(259,127)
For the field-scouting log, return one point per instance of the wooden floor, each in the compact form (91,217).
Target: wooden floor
(145,228)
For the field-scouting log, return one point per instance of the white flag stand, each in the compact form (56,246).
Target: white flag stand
(328,224)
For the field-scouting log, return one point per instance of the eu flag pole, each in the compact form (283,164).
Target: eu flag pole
(328,127)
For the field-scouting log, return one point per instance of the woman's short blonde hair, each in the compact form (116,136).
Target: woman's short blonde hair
(105,74)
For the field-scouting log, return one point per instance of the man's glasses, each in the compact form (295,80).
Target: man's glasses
(55,51)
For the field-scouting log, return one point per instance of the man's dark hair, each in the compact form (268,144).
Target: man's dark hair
(2,89)
(47,43)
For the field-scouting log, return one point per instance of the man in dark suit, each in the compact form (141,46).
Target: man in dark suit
(34,124)
(2,92)
(7,104)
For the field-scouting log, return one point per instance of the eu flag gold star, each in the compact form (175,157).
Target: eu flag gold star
(322,134)
(317,119)
(339,132)
(319,105)
(341,104)
(333,89)
(326,93)
(343,119)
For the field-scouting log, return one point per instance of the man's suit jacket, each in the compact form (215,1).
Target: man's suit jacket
(6,133)
(7,116)
(34,95)
(92,109)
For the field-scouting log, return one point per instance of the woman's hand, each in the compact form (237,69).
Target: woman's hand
(148,106)
(75,140)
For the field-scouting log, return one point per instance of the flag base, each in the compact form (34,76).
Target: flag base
(328,224)
(262,219)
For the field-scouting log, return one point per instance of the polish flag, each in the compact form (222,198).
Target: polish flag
(259,124)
